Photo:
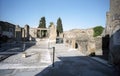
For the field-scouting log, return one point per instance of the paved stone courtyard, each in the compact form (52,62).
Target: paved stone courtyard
(68,62)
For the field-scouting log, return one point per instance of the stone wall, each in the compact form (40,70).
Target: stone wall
(7,29)
(33,33)
(113,28)
(81,39)
(98,44)
(114,55)
(22,34)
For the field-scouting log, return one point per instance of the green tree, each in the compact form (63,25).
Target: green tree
(59,26)
(51,23)
(42,23)
(98,30)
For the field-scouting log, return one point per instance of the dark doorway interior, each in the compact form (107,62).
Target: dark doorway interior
(76,46)
(105,45)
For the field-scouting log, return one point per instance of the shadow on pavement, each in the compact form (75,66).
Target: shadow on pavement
(15,47)
(78,66)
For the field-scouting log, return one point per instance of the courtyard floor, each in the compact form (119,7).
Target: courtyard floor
(68,62)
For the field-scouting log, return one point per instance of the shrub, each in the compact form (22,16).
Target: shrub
(98,31)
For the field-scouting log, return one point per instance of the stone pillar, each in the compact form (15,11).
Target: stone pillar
(35,33)
(18,33)
(23,34)
(73,43)
(26,32)
(52,33)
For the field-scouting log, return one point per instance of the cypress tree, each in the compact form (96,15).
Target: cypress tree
(42,23)
(59,26)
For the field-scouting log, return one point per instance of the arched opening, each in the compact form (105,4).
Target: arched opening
(76,46)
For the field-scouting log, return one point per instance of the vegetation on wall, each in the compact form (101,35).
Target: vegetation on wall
(98,31)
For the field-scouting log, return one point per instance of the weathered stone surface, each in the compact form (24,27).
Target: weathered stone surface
(98,42)
(98,45)
(82,46)
(35,33)
(18,33)
(114,55)
(113,30)
(81,39)
(52,33)
(27,32)
(22,34)
(91,47)
(7,29)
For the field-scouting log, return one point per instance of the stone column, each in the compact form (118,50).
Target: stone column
(26,28)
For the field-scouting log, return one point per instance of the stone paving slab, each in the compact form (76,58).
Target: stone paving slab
(37,57)
(68,62)
(22,66)
(102,61)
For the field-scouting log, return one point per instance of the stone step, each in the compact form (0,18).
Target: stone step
(23,66)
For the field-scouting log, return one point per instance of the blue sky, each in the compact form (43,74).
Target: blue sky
(75,14)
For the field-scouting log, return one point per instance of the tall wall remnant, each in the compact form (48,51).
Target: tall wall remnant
(113,18)
(22,34)
(7,29)
(18,33)
(52,33)
(26,28)
(113,30)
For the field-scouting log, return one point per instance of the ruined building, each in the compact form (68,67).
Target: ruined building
(22,34)
(81,39)
(7,29)
(13,32)
(36,33)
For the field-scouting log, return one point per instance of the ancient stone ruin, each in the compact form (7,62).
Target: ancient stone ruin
(112,31)
(36,33)
(81,39)
(22,34)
